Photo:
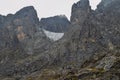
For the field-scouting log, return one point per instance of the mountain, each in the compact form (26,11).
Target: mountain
(58,24)
(55,27)
(80,11)
(89,49)
(20,38)
(23,27)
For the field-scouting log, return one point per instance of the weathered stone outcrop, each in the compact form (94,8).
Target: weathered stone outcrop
(20,38)
(59,24)
(22,28)
(90,48)
(80,11)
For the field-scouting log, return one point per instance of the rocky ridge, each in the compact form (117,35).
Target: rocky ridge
(89,50)
(59,24)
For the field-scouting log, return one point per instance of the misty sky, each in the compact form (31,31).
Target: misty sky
(45,8)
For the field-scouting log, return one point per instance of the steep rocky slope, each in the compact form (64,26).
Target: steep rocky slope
(20,38)
(21,28)
(89,50)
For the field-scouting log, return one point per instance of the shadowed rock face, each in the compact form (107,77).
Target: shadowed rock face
(90,48)
(20,37)
(20,28)
(108,17)
(6,35)
(27,30)
(97,32)
(80,11)
(57,24)
(106,5)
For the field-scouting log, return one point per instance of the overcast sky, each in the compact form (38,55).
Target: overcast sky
(45,8)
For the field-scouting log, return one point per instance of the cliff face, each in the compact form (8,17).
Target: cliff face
(90,49)
(20,28)
(58,24)
(20,37)
(106,5)
(80,11)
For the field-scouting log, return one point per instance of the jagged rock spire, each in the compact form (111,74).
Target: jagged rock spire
(80,10)
(29,12)
(83,4)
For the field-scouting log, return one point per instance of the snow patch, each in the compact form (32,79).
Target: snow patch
(53,35)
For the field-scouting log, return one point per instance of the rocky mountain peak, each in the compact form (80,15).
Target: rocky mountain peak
(89,50)
(80,11)
(104,3)
(24,25)
(81,4)
(28,13)
(58,23)
(26,10)
(108,5)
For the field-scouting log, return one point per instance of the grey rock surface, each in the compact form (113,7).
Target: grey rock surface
(20,38)
(91,46)
(80,11)
(58,24)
